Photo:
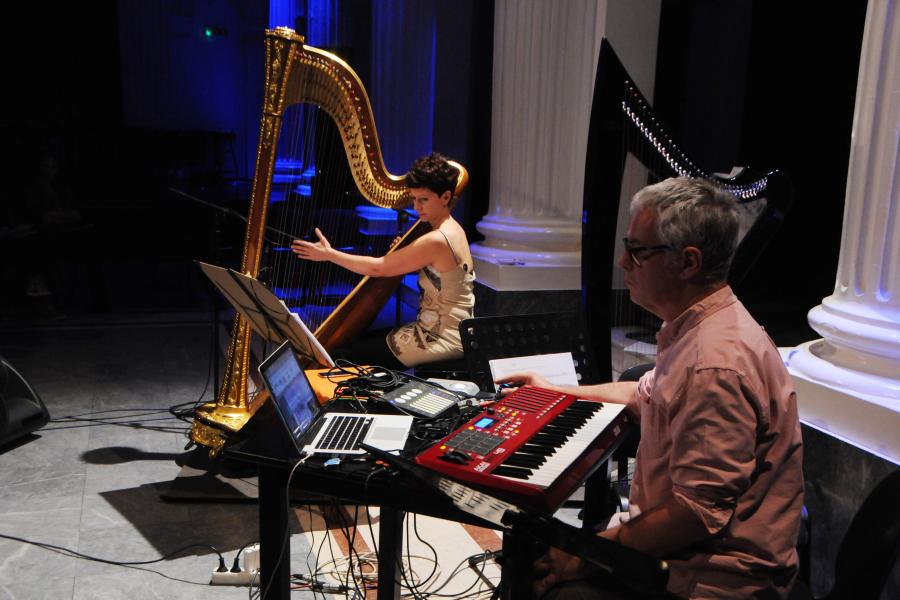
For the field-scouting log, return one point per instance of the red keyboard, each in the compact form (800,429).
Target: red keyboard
(532,448)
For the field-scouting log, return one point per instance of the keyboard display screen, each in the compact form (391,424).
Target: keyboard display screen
(484,423)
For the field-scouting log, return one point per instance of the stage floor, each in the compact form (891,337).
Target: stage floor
(94,480)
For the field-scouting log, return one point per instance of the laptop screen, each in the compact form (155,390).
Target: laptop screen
(290,390)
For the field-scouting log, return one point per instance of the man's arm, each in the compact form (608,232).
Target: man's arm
(711,463)
(664,529)
(658,532)
(617,392)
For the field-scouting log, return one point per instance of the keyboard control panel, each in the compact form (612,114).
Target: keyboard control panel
(421,399)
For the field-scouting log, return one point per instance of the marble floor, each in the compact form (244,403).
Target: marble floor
(90,482)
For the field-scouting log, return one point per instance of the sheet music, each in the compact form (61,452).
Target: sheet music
(318,350)
(268,314)
(558,369)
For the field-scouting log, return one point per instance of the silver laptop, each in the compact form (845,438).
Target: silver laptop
(314,431)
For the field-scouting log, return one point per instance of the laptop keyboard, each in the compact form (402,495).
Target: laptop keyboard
(345,433)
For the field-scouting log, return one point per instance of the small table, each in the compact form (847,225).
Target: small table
(264,444)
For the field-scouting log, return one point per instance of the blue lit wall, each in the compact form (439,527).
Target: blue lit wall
(194,66)
(198,66)
(321,19)
(402,78)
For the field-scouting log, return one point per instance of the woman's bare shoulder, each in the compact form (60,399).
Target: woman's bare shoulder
(458,244)
(431,238)
(454,232)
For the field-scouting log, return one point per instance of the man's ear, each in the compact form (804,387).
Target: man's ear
(691,262)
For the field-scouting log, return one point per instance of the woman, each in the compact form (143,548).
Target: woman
(444,263)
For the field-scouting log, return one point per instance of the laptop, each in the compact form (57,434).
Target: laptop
(314,431)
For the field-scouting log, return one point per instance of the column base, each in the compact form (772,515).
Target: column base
(521,254)
(517,275)
(858,408)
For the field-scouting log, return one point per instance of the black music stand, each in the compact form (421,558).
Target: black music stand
(642,576)
(268,315)
(487,338)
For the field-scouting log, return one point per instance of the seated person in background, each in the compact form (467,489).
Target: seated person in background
(37,221)
(718,485)
(446,279)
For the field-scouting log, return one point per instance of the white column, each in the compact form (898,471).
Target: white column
(545,61)
(848,383)
(545,57)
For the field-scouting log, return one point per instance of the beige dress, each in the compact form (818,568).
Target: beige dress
(445,299)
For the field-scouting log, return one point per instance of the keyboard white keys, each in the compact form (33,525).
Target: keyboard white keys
(566,454)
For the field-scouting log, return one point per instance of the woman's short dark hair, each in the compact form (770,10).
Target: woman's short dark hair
(434,173)
(694,212)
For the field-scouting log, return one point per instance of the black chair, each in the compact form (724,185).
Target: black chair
(488,338)
(636,372)
(445,369)
(870,548)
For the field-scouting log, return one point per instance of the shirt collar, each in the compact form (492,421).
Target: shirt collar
(692,317)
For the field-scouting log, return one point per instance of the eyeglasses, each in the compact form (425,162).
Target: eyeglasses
(639,253)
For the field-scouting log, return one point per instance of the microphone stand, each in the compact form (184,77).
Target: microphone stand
(218,218)
(221,212)
(233,213)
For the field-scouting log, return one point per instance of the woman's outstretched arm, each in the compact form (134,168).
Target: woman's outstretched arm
(417,255)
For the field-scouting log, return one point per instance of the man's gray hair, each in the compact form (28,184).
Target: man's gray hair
(694,212)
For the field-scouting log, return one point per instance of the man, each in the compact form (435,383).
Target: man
(718,483)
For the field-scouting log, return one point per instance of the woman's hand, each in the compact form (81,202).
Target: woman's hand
(315,251)
(396,241)
(514,380)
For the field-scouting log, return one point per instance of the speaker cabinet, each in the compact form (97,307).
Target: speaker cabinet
(21,410)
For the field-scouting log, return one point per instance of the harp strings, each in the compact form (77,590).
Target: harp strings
(633,328)
(337,221)
(325,159)
(311,195)
(286,212)
(648,156)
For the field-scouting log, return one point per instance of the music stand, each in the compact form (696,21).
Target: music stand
(506,336)
(642,575)
(269,315)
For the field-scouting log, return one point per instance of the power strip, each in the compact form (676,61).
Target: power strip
(229,578)
(245,577)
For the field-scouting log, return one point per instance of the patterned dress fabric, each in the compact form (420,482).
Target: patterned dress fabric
(445,299)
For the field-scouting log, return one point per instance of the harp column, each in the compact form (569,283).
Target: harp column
(848,383)
(545,57)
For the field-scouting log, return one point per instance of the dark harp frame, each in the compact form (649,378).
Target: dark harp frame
(618,108)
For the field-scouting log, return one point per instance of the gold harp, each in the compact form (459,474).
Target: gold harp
(296,73)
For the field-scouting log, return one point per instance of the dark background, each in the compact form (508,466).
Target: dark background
(130,111)
(756,83)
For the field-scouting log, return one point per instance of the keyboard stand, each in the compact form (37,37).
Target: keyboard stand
(273,523)
(266,444)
